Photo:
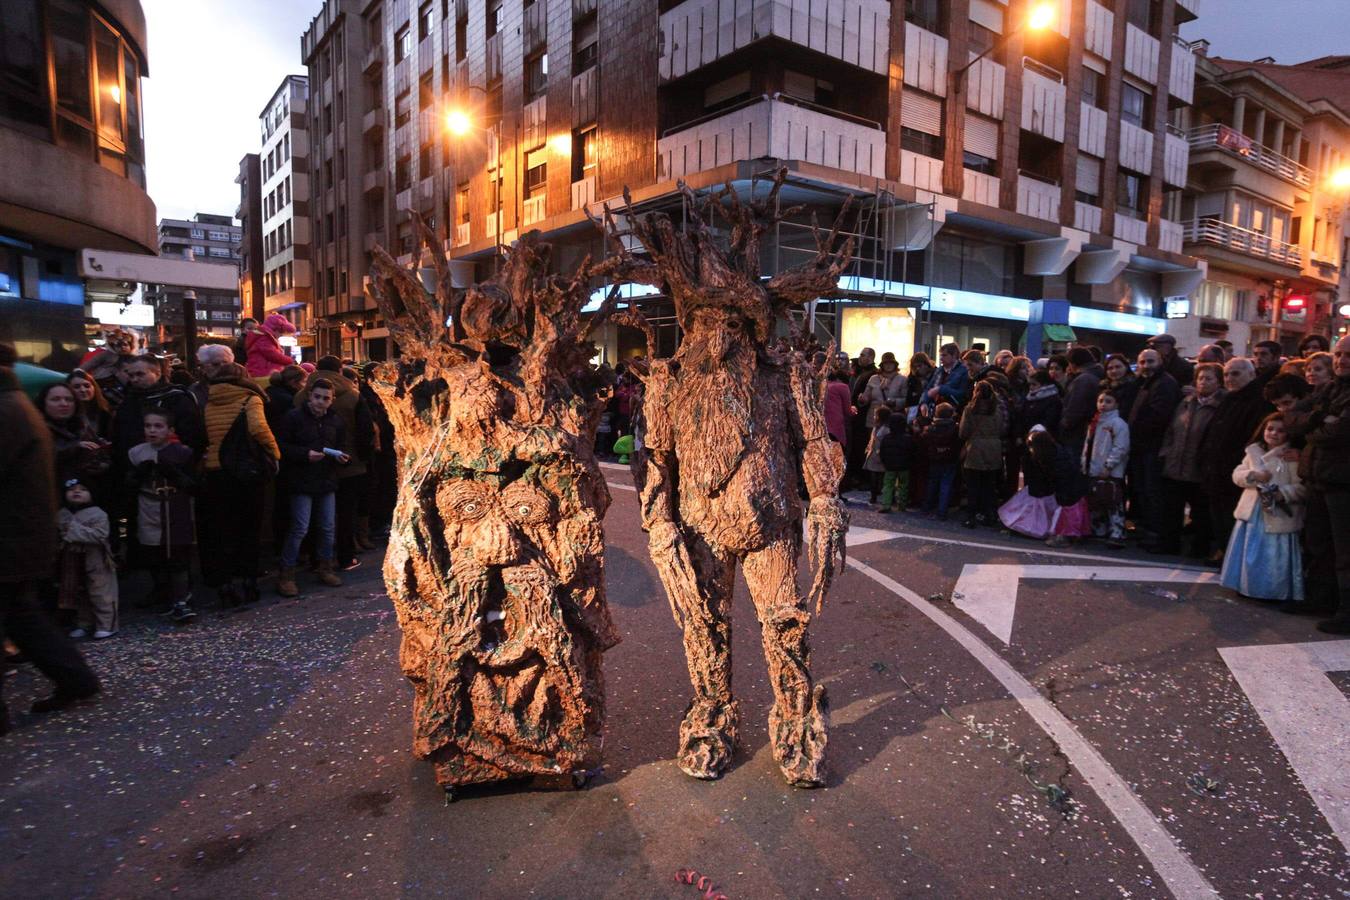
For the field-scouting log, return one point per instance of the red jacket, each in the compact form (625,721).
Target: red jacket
(265,355)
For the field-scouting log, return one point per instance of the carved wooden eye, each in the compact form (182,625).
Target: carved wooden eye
(465,501)
(527,504)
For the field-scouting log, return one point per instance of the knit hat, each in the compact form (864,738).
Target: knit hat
(278,324)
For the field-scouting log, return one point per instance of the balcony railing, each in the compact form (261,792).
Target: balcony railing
(1243,240)
(1220,137)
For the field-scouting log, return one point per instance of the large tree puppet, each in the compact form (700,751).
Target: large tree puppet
(495,562)
(733,429)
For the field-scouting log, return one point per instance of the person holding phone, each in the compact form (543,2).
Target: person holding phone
(310,437)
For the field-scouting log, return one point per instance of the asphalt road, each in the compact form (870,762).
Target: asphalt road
(1087,739)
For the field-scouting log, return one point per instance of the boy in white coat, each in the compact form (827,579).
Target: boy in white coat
(1106,454)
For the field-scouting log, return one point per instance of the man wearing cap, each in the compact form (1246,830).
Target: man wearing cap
(1172,363)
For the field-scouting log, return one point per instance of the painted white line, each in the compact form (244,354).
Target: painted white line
(1181,876)
(1006,548)
(618,467)
(988,593)
(1307,715)
(622,487)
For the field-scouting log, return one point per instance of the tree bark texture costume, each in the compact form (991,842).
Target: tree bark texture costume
(495,560)
(733,430)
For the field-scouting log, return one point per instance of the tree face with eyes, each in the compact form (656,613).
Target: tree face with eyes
(496,559)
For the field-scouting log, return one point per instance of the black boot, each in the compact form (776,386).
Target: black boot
(1339,623)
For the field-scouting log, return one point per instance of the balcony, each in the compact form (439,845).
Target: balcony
(1087,217)
(583,192)
(374,58)
(1171,235)
(925,60)
(1037,198)
(1181,78)
(461,234)
(1136,148)
(1244,241)
(373,120)
(1042,100)
(1141,54)
(373,181)
(774,125)
(1233,143)
(697,33)
(1101,23)
(1176,156)
(533,210)
(1129,228)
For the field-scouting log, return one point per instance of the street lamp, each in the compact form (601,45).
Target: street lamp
(1041,17)
(459,123)
(1340,179)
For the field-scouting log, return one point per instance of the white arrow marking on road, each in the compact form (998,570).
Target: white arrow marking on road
(988,593)
(1307,715)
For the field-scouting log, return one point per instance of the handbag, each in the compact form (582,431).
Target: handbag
(242,456)
(1104,495)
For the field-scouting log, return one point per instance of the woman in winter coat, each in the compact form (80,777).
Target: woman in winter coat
(886,388)
(1180,456)
(982,426)
(1264,559)
(94,406)
(1121,382)
(263,346)
(79,452)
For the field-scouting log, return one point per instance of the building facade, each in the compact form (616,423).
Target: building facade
(250,215)
(347,175)
(1044,170)
(205,237)
(287,226)
(73,175)
(1264,205)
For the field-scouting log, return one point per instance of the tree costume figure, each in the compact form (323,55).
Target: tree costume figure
(495,562)
(732,425)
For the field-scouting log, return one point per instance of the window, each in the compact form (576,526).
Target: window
(426,92)
(462,205)
(930,15)
(982,41)
(585,44)
(198,250)
(461,37)
(424,21)
(1216,299)
(220,252)
(1088,184)
(403,173)
(921,124)
(494,17)
(1145,15)
(425,158)
(584,148)
(402,45)
(536,76)
(286,146)
(1094,88)
(342,221)
(402,110)
(198,233)
(1040,157)
(971,264)
(1131,193)
(981,145)
(219,235)
(536,173)
(1134,106)
(986,25)
(23,89)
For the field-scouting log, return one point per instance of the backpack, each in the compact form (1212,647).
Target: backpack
(895,449)
(242,456)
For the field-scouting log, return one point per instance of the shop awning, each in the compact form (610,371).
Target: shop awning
(1058,333)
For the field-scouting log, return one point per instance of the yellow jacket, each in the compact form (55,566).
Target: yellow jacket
(224,400)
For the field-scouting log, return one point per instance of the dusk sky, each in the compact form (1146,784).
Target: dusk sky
(214,64)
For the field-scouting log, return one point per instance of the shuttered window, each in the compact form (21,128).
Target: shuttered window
(982,136)
(988,14)
(921,112)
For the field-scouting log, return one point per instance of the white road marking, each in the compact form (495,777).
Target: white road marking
(1307,715)
(618,467)
(988,593)
(1181,876)
(622,487)
(1006,548)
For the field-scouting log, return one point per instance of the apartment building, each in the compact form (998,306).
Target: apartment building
(72,169)
(287,222)
(206,237)
(1040,183)
(1266,203)
(250,216)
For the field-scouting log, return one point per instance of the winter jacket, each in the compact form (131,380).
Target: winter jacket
(129,425)
(358,436)
(873,462)
(73,459)
(942,442)
(1080,405)
(1107,448)
(301,431)
(1180,368)
(1235,420)
(915,384)
(1180,451)
(264,353)
(897,449)
(883,392)
(1060,477)
(955,390)
(1325,461)
(85,526)
(28,486)
(227,396)
(838,403)
(280,400)
(1284,475)
(1043,406)
(1125,390)
(982,434)
(1152,411)
(164,484)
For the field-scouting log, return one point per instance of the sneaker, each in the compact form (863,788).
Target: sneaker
(78,633)
(102,635)
(355,563)
(181,613)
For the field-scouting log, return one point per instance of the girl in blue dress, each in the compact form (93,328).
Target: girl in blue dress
(1264,560)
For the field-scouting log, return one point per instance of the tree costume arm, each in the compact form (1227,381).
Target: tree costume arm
(822,470)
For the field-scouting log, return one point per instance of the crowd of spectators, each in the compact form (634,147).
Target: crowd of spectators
(133,465)
(1240,462)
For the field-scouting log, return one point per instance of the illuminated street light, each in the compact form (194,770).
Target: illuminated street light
(1042,16)
(1340,179)
(458,123)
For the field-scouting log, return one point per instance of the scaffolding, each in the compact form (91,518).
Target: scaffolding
(885,230)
